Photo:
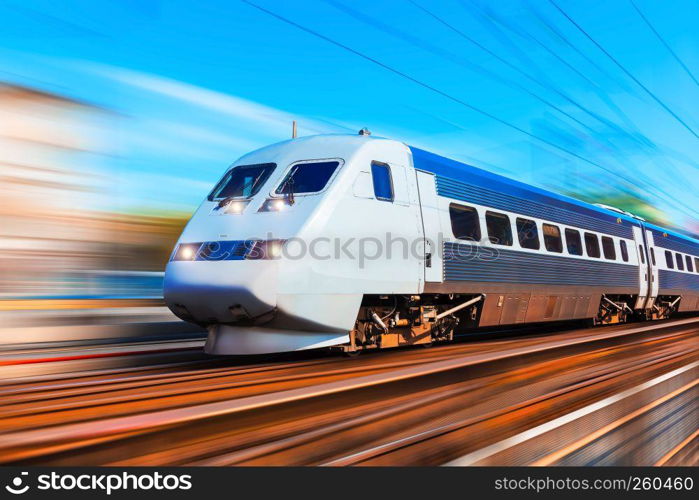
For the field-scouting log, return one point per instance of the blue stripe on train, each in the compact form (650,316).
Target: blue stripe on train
(224,250)
(465,262)
(465,182)
(674,243)
(673,279)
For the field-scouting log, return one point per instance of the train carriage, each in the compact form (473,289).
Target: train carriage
(359,242)
(675,266)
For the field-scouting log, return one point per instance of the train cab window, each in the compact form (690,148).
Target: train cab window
(552,238)
(680,264)
(527,233)
(592,245)
(689,263)
(307,177)
(608,248)
(464,222)
(573,242)
(243,181)
(499,229)
(652,255)
(642,253)
(383,183)
(624,251)
(668,260)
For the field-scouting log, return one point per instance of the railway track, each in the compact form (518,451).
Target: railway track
(573,397)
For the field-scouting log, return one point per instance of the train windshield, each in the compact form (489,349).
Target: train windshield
(243,181)
(308,177)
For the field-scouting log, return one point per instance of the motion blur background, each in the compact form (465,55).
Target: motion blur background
(118,116)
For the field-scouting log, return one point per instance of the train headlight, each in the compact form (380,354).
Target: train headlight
(274,249)
(265,250)
(275,205)
(236,207)
(186,251)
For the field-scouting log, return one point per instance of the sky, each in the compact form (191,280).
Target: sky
(596,98)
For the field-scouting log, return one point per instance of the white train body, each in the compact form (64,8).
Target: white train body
(312,300)
(344,250)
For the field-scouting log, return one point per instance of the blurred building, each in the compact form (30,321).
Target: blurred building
(43,230)
(55,238)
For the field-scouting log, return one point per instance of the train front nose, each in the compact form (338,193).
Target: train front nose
(208,292)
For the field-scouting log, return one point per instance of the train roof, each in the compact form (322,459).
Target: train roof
(675,235)
(347,144)
(464,172)
(340,145)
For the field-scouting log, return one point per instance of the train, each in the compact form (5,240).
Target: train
(358,242)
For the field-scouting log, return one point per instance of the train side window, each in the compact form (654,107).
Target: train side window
(696,264)
(464,222)
(499,229)
(624,251)
(573,242)
(527,233)
(552,238)
(642,254)
(680,264)
(592,245)
(668,260)
(608,248)
(689,263)
(383,184)
(652,255)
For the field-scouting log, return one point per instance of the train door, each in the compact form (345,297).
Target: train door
(653,270)
(642,267)
(429,210)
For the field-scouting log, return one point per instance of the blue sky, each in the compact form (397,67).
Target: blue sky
(511,86)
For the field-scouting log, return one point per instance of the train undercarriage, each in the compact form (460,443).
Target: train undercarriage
(386,321)
(397,320)
(664,307)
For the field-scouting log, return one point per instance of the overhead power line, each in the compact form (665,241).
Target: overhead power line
(626,72)
(436,90)
(514,68)
(440,52)
(616,128)
(662,40)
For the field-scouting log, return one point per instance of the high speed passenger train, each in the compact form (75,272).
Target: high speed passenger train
(358,242)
